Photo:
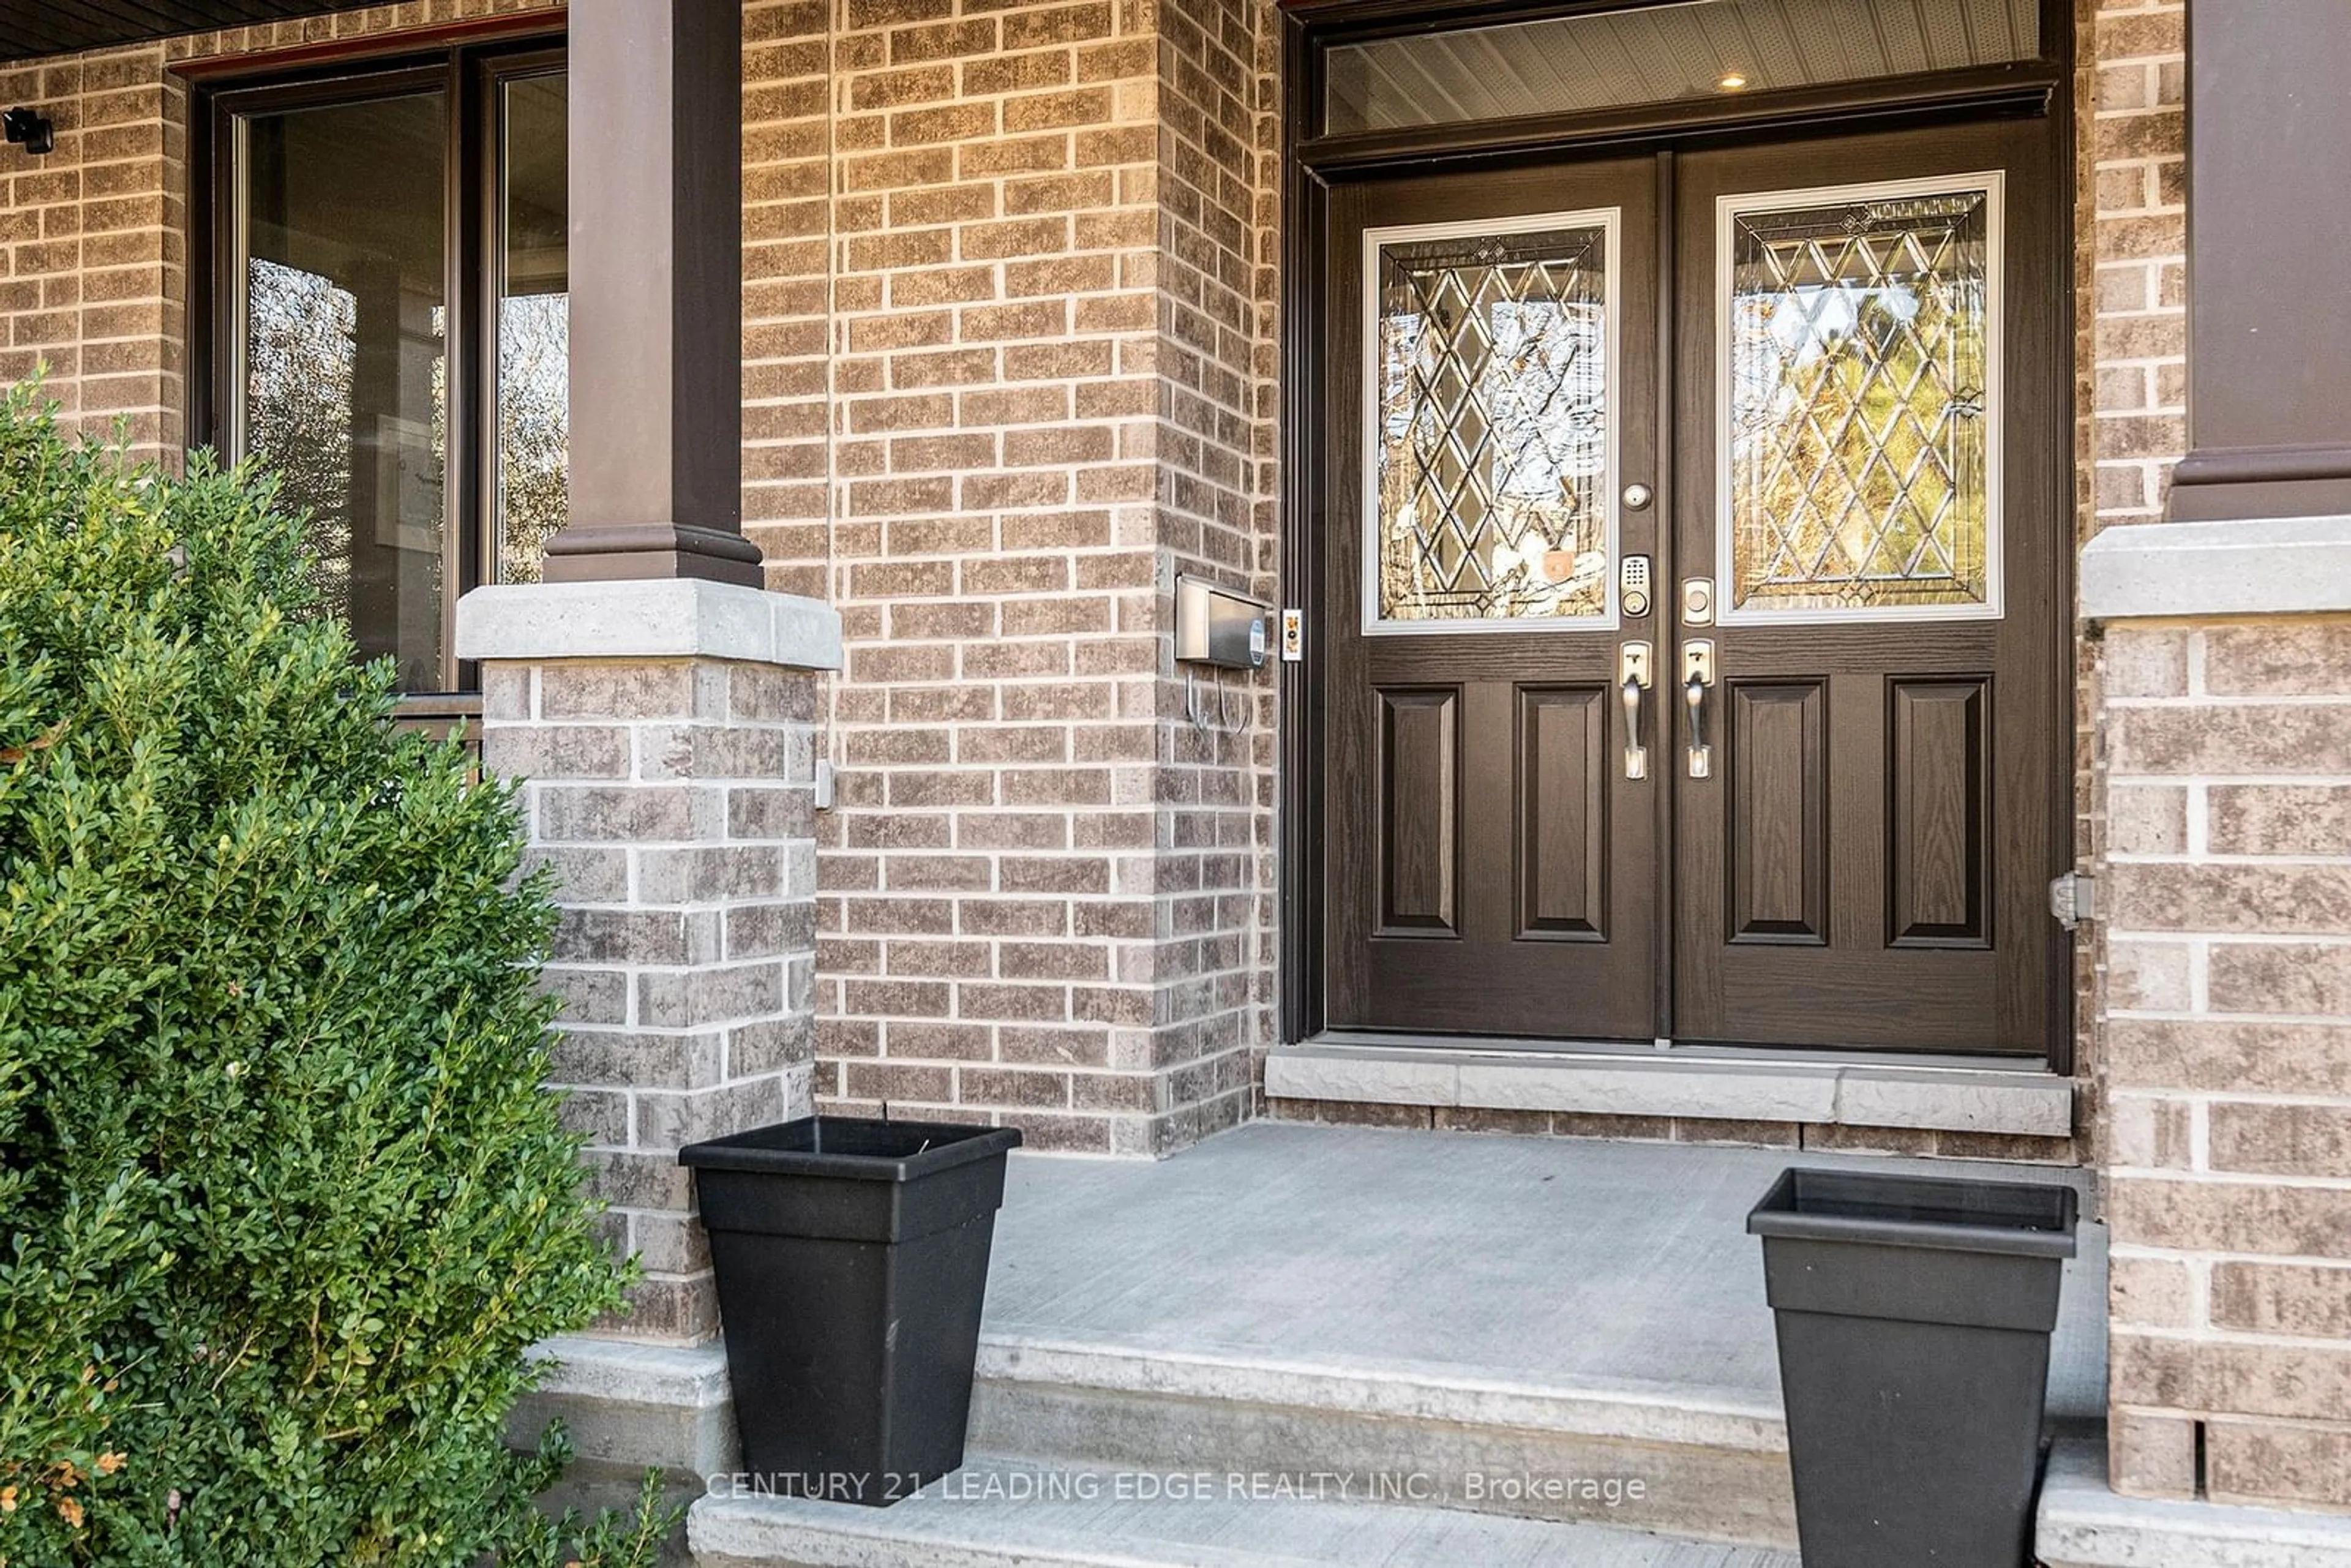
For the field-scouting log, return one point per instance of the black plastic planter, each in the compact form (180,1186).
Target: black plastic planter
(1914,1316)
(851,1259)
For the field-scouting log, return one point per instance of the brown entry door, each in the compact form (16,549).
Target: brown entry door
(1827,814)
(1870,488)
(1493,387)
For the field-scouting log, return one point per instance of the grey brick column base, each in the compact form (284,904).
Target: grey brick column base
(666,735)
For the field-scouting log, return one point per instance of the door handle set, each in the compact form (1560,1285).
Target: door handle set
(1636,677)
(1698,679)
(1633,669)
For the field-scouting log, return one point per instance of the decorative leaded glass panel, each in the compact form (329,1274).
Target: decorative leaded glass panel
(1862,360)
(1490,433)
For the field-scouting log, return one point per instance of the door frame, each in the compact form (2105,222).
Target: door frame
(1313,163)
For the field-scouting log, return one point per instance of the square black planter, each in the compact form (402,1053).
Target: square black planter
(851,1259)
(1914,1316)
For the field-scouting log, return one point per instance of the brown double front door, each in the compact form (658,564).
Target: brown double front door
(1692,565)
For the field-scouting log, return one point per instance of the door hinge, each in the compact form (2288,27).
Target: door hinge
(2073,899)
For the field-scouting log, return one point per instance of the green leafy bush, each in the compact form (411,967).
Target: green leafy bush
(284,1197)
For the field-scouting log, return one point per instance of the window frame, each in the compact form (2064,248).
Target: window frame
(469,69)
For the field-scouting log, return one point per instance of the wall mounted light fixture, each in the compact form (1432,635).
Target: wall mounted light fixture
(30,128)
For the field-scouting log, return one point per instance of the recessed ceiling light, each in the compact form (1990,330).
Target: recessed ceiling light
(1731,81)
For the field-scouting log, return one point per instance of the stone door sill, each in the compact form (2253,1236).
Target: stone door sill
(1949,1094)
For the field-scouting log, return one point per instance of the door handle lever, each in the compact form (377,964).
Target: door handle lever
(1697,672)
(1633,665)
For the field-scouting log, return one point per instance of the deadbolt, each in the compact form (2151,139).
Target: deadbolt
(1633,585)
(1637,498)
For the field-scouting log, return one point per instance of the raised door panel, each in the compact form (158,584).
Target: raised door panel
(1562,817)
(1420,811)
(1938,853)
(1778,792)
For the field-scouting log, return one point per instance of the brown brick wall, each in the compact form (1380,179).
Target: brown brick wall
(1044,892)
(2134,63)
(1218,170)
(93,245)
(2131,365)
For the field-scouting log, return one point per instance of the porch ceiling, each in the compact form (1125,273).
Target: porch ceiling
(32,28)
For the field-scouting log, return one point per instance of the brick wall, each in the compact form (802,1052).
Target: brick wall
(2222,1031)
(2132,360)
(2135,190)
(673,800)
(2228,1017)
(93,245)
(1219,154)
(1044,893)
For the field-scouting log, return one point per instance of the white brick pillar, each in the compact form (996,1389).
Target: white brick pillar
(665,733)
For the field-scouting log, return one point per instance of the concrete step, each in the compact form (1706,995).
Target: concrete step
(1522,1320)
(1005,1514)
(1710,1467)
(2082,1524)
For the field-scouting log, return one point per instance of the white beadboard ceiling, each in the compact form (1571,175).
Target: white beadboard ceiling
(1654,53)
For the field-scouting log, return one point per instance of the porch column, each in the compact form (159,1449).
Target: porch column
(2222,736)
(656,295)
(662,711)
(2269,344)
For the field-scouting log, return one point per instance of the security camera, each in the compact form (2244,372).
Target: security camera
(32,128)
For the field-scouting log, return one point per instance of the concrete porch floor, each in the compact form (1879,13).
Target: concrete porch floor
(1605,1268)
(1354,1307)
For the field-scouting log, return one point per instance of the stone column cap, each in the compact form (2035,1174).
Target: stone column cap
(648,618)
(2263,566)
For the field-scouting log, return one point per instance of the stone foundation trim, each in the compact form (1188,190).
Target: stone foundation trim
(2288,566)
(2082,1524)
(634,1406)
(1600,1082)
(656,618)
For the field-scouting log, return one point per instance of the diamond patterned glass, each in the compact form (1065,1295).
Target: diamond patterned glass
(1860,358)
(1491,442)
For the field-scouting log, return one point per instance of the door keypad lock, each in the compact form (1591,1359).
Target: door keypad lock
(1633,585)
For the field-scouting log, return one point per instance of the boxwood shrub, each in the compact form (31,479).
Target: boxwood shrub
(284,1198)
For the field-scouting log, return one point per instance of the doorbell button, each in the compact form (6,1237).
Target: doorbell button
(1697,601)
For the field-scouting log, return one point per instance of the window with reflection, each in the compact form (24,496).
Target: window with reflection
(1490,450)
(404,372)
(1860,366)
